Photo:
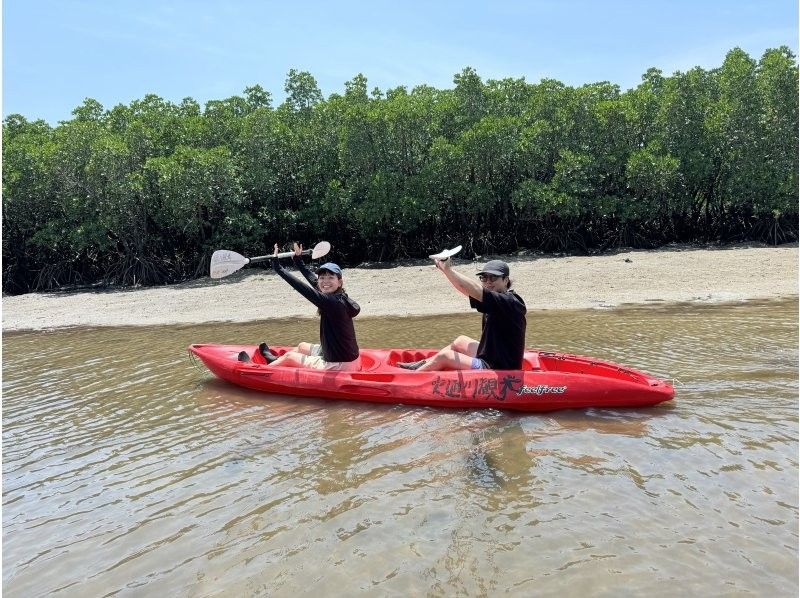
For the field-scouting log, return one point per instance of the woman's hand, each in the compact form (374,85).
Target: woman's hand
(275,253)
(298,248)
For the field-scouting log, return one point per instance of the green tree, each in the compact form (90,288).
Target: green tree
(776,202)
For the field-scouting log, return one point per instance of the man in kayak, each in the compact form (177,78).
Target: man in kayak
(502,341)
(338,348)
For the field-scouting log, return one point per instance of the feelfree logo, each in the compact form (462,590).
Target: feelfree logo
(541,389)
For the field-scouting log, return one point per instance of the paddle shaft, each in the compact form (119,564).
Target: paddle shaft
(284,254)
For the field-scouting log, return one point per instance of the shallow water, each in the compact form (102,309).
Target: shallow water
(129,471)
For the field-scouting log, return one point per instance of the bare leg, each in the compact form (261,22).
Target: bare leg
(304,348)
(290,359)
(465,345)
(457,356)
(447,359)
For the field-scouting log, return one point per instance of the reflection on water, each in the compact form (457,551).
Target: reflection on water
(128,470)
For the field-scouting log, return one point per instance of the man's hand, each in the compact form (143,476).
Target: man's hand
(443,265)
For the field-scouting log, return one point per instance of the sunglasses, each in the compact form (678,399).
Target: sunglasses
(489,277)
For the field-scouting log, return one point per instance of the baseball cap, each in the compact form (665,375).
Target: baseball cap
(496,267)
(330,267)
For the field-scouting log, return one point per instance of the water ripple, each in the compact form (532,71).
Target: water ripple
(128,470)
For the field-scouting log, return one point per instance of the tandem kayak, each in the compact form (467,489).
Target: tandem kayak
(548,380)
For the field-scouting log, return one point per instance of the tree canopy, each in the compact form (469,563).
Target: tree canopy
(144,193)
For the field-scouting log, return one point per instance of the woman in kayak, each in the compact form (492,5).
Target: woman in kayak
(337,349)
(502,341)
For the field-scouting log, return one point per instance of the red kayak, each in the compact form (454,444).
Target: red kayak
(548,381)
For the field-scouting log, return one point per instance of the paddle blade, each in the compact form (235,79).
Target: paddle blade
(224,262)
(443,255)
(320,249)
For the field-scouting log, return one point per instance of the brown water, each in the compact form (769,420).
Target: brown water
(129,471)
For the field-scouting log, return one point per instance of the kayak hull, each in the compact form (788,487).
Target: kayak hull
(547,382)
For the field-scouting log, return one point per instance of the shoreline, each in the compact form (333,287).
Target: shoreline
(676,274)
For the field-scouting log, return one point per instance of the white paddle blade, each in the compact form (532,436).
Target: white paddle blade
(443,255)
(320,249)
(224,262)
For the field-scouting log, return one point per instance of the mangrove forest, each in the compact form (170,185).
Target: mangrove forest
(142,194)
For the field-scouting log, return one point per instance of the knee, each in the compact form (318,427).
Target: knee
(462,344)
(289,358)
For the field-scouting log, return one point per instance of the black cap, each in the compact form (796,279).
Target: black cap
(496,267)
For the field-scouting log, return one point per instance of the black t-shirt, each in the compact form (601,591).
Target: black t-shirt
(502,343)
(337,335)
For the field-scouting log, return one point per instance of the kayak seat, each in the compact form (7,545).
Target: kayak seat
(367,363)
(530,361)
(408,355)
(258,358)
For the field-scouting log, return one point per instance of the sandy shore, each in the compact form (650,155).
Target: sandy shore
(671,275)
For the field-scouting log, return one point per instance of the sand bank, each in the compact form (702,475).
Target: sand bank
(678,274)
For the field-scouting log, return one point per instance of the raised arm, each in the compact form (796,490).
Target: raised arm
(297,259)
(310,293)
(463,283)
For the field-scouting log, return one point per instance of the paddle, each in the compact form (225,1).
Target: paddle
(225,262)
(443,255)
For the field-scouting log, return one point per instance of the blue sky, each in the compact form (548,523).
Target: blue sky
(58,52)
